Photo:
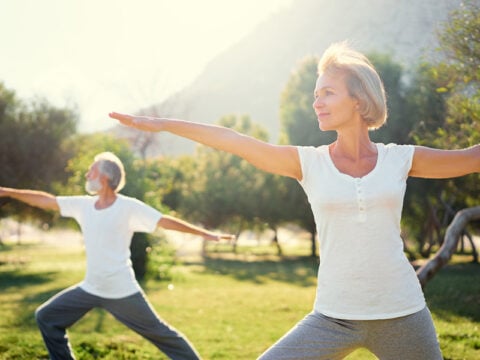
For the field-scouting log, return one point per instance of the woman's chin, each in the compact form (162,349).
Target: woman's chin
(323,127)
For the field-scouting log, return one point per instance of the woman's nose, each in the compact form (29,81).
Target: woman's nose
(317,103)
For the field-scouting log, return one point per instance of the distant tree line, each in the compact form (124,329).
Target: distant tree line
(434,104)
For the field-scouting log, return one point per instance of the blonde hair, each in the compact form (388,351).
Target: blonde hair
(362,81)
(111,166)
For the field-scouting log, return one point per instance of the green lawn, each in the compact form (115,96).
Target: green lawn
(229,307)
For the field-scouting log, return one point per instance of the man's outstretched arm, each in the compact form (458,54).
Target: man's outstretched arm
(40,199)
(172,223)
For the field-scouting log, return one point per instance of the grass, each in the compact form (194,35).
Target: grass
(229,307)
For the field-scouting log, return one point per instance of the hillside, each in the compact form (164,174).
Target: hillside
(249,77)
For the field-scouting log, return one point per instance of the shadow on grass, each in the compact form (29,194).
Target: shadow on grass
(298,270)
(455,291)
(30,303)
(18,278)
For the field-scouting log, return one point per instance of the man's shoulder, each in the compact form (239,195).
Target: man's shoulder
(128,200)
(75,198)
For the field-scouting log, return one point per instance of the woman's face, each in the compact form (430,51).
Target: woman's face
(333,105)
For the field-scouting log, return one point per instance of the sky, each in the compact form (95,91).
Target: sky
(117,55)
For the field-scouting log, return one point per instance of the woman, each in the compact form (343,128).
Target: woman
(368,294)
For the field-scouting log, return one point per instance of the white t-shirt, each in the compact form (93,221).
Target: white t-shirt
(107,234)
(363,273)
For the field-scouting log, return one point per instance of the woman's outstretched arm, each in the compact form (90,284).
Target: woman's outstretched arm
(442,164)
(276,159)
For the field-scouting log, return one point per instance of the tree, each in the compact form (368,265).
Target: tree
(223,188)
(449,114)
(32,151)
(400,123)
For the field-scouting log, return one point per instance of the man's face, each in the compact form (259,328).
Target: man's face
(93,184)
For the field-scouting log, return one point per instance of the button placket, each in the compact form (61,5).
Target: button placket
(362,216)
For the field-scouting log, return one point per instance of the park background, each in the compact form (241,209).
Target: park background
(233,300)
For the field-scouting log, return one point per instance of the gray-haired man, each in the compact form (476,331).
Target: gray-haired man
(107,220)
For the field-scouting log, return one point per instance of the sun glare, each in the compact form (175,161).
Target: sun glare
(117,53)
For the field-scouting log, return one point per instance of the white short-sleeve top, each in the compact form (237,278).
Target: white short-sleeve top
(363,273)
(107,234)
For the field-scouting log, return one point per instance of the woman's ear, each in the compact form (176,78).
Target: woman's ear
(357,104)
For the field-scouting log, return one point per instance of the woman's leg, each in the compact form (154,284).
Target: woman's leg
(316,337)
(410,337)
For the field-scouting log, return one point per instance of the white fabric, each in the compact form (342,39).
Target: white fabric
(107,234)
(363,273)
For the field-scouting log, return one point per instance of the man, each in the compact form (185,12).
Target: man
(108,221)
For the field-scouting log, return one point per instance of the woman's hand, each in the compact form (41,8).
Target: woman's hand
(144,123)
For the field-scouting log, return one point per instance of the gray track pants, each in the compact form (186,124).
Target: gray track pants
(68,306)
(320,337)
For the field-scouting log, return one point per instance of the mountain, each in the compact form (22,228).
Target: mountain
(249,77)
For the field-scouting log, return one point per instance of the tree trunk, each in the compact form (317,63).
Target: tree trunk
(314,244)
(453,234)
(275,241)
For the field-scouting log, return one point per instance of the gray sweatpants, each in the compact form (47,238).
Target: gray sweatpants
(321,337)
(68,306)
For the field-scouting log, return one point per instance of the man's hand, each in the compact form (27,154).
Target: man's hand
(219,236)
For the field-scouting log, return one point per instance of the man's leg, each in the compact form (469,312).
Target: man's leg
(57,314)
(135,312)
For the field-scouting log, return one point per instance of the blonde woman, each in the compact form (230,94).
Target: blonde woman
(368,294)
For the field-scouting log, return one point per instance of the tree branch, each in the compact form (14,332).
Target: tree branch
(454,230)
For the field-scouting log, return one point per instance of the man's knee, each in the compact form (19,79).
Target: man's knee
(40,315)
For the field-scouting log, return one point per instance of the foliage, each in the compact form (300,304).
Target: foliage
(31,148)
(152,257)
(399,123)
(32,151)
(223,187)
(447,99)
(165,180)
(162,259)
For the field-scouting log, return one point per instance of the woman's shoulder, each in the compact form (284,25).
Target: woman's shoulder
(397,151)
(310,149)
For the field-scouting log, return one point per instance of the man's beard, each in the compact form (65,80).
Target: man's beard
(93,186)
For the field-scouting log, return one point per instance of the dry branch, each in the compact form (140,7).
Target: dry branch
(452,236)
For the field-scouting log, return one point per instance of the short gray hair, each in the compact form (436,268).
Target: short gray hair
(362,81)
(111,166)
